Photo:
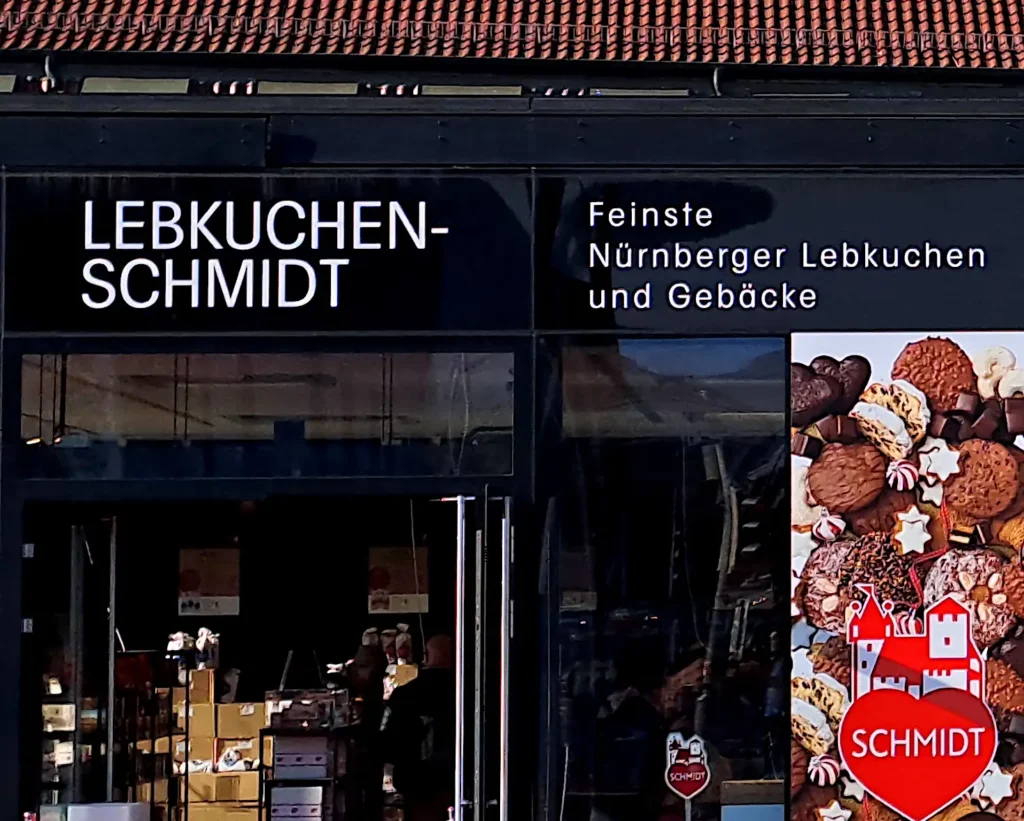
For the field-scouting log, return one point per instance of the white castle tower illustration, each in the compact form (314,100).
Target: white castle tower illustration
(888,657)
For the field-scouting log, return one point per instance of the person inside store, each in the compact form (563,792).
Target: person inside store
(418,735)
(366,684)
(629,772)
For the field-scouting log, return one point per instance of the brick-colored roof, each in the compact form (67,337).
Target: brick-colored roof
(939,33)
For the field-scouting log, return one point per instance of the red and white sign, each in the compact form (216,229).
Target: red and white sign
(918,733)
(686,771)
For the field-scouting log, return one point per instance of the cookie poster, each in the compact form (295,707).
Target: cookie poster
(907,524)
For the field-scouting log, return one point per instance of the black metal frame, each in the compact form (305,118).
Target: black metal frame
(181,133)
(15,492)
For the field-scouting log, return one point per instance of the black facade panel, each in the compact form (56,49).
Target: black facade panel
(472,272)
(132,142)
(401,139)
(776,253)
(645,140)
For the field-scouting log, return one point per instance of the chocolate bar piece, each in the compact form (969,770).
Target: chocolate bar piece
(1014,410)
(839,428)
(966,431)
(804,445)
(961,535)
(982,533)
(986,425)
(967,405)
(944,427)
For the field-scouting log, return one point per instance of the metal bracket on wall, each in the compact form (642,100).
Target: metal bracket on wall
(28,551)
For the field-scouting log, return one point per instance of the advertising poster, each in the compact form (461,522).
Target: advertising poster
(907,516)
(209,582)
(399,580)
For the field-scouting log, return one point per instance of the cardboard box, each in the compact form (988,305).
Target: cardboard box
(58,718)
(163,745)
(237,787)
(202,720)
(157,792)
(247,747)
(203,686)
(223,812)
(200,749)
(241,720)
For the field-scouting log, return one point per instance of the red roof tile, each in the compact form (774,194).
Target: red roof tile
(946,33)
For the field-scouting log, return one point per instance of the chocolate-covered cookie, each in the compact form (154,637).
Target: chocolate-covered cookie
(881,514)
(939,368)
(852,374)
(975,579)
(823,603)
(987,482)
(811,395)
(845,478)
(874,560)
(1010,650)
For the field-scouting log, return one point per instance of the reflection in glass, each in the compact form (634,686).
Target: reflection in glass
(672,565)
(453,410)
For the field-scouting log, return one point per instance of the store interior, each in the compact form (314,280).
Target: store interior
(296,576)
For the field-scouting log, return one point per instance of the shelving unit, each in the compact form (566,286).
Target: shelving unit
(332,786)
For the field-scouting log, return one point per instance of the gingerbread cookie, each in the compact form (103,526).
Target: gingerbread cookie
(987,482)
(812,798)
(798,759)
(975,579)
(1004,689)
(880,516)
(906,401)
(1016,507)
(832,658)
(811,395)
(939,368)
(1011,531)
(845,478)
(884,429)
(821,600)
(955,812)
(810,727)
(824,693)
(1013,585)
(852,374)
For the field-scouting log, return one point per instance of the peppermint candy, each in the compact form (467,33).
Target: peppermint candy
(902,474)
(828,527)
(907,624)
(823,770)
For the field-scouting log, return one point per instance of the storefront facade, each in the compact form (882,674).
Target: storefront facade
(590,365)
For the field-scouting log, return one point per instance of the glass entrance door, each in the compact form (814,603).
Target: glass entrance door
(70,567)
(484,633)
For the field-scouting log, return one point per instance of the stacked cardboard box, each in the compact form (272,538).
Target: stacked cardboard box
(229,791)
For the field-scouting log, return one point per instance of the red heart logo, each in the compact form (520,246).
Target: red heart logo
(686,780)
(917,755)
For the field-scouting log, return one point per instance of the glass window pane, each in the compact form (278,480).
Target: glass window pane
(153,415)
(672,569)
